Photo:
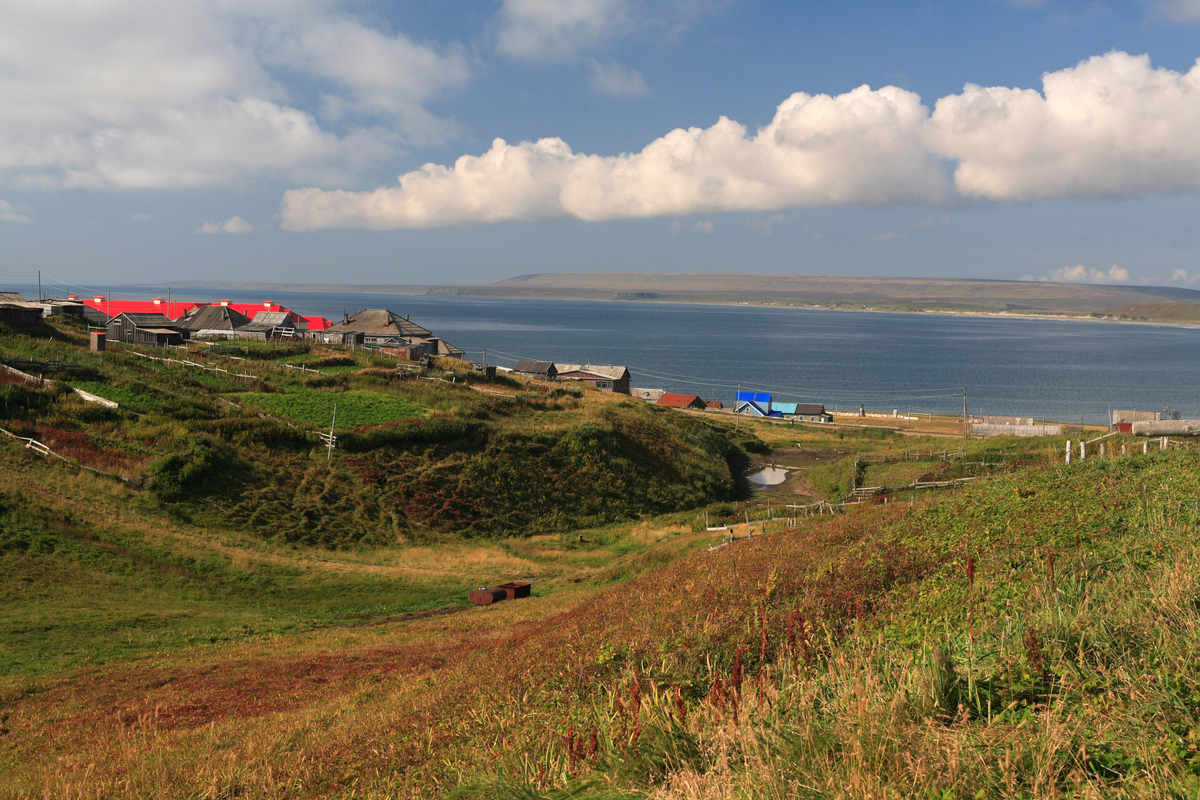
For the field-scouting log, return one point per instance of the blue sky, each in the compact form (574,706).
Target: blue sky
(143,142)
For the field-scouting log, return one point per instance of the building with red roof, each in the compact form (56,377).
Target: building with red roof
(673,400)
(174,309)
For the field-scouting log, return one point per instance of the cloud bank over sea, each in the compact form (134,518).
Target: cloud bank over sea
(1112,126)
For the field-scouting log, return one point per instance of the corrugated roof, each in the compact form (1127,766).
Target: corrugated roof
(784,408)
(11,297)
(679,400)
(611,373)
(535,367)
(809,409)
(754,397)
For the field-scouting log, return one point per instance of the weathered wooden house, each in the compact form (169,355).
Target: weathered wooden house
(268,325)
(378,327)
(19,313)
(212,322)
(541,370)
(153,329)
(604,378)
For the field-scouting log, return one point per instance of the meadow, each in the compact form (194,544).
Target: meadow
(215,632)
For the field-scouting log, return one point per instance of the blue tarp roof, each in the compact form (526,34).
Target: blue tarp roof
(754,397)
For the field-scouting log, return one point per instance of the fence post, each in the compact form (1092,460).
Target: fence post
(1082,450)
(1164,443)
(1146,447)
(1068,451)
(1102,449)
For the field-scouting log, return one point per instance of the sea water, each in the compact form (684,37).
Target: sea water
(1060,370)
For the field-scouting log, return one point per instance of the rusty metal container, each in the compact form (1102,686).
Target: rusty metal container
(516,589)
(485,597)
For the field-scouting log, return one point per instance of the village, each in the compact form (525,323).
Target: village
(164,322)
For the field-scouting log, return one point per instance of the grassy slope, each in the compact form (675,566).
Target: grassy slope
(855,656)
(246,531)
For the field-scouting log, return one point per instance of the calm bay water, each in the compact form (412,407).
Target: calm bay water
(1055,369)
(1052,368)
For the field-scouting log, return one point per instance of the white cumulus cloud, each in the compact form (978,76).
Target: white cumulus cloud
(862,147)
(11,213)
(1111,126)
(1081,274)
(616,80)
(231,225)
(138,93)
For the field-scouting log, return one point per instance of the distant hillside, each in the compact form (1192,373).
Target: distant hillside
(1176,312)
(883,294)
(946,295)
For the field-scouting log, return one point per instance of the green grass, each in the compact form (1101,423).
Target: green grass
(355,408)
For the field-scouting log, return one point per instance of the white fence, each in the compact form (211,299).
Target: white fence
(982,429)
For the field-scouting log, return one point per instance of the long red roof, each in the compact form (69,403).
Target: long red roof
(177,308)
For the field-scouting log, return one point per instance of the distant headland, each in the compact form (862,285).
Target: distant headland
(909,295)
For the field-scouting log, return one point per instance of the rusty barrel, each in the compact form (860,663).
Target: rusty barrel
(485,597)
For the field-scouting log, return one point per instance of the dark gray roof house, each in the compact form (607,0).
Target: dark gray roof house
(382,328)
(19,313)
(144,329)
(212,321)
(543,370)
(379,322)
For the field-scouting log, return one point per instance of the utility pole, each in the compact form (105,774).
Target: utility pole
(170,315)
(108,305)
(966,425)
(737,408)
(39,286)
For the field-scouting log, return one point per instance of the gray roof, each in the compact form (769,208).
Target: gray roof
(611,373)
(11,297)
(213,318)
(148,320)
(535,367)
(379,322)
(268,321)
(810,408)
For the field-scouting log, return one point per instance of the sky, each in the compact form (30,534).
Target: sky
(314,141)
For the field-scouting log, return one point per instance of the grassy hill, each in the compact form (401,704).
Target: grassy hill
(257,622)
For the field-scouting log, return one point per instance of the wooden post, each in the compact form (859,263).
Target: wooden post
(1146,447)
(1068,451)
(1102,449)
(1082,450)
(1164,444)
(966,429)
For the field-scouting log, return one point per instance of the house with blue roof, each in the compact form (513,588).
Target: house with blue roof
(757,403)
